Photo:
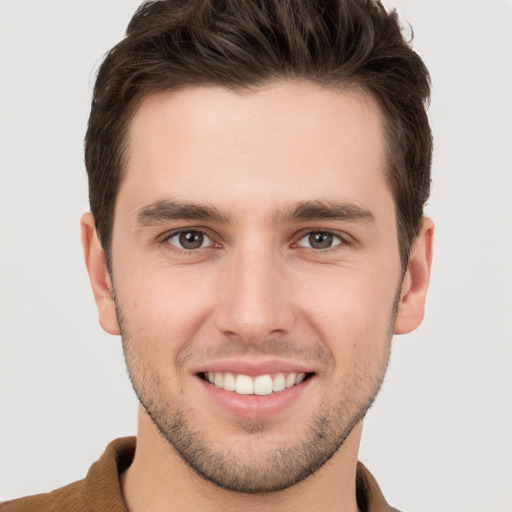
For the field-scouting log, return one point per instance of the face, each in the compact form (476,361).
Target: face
(257,277)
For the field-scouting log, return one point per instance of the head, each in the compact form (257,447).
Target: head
(257,178)
(340,45)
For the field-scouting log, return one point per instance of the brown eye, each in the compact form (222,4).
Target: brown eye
(319,240)
(189,240)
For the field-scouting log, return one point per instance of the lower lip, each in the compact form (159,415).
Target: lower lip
(256,406)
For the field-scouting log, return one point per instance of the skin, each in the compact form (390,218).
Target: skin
(256,292)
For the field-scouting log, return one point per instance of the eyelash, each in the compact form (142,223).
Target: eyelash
(343,240)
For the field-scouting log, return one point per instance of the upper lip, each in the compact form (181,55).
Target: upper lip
(255,368)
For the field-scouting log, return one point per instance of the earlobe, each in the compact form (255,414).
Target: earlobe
(411,307)
(98,275)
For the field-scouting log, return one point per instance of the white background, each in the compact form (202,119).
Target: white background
(440,435)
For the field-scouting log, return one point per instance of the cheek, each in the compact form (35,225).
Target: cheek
(165,308)
(350,310)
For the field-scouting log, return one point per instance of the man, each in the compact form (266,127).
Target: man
(257,176)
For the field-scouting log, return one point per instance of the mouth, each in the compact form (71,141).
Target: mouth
(261,385)
(257,389)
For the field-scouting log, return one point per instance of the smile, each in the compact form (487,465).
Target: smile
(259,385)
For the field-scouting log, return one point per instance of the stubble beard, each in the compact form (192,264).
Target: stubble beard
(266,468)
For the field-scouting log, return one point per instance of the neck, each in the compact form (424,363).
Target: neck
(160,480)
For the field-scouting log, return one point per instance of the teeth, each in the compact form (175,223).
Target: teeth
(261,385)
(219,379)
(278,383)
(229,382)
(290,380)
(244,385)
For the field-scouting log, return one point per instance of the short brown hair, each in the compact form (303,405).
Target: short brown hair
(243,44)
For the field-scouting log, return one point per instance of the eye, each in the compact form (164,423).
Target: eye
(320,240)
(190,240)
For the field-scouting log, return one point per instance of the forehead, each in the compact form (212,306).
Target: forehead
(288,141)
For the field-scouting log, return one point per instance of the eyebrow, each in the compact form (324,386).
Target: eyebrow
(165,210)
(325,210)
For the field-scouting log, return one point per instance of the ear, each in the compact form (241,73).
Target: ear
(411,307)
(98,275)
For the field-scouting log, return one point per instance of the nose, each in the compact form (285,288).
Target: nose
(256,301)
